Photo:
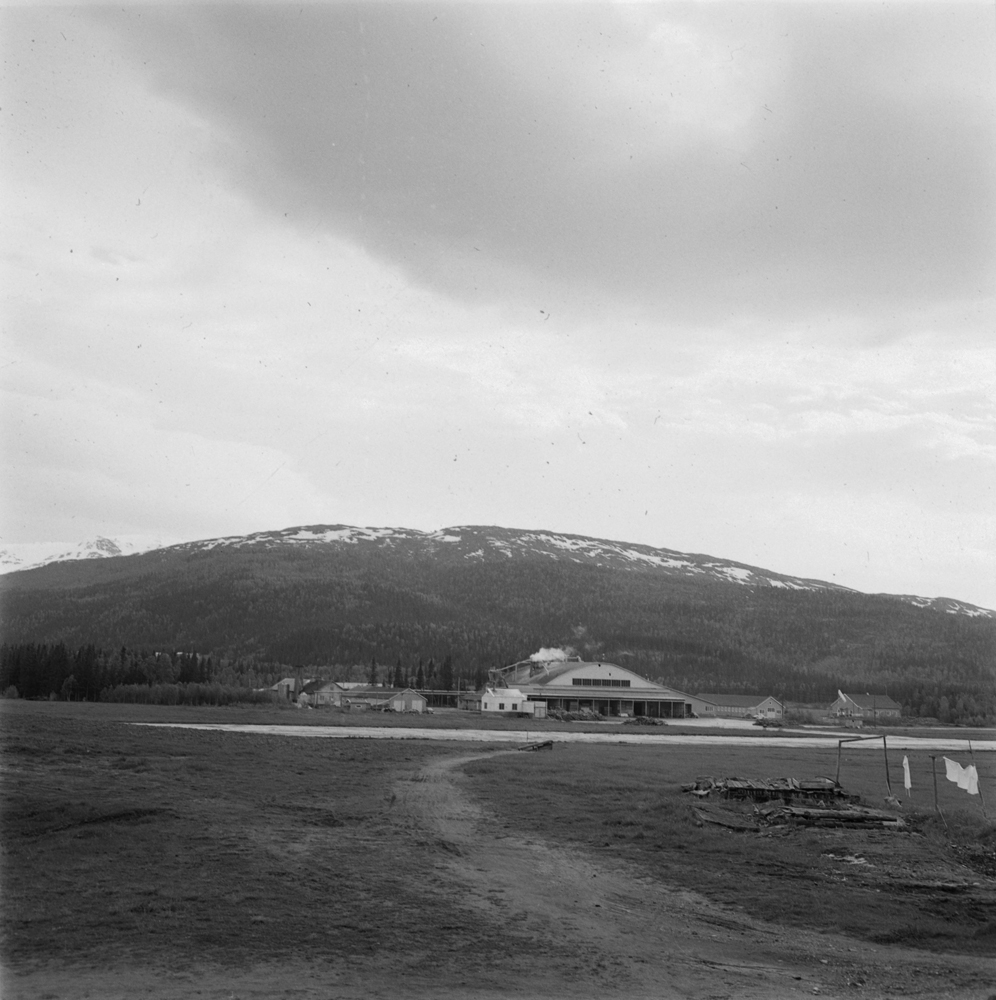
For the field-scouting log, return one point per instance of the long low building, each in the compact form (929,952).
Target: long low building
(575,684)
(738,706)
(865,706)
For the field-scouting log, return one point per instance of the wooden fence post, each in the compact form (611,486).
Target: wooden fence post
(885,750)
(933,771)
(982,801)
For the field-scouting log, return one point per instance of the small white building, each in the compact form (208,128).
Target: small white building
(511,700)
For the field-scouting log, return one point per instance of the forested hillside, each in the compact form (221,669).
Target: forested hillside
(486,597)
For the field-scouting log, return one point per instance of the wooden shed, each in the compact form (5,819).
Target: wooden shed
(406,701)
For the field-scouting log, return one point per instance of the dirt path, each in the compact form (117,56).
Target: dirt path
(605,927)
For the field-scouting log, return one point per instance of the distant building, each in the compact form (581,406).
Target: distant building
(406,701)
(574,684)
(865,706)
(322,693)
(470,701)
(737,706)
(504,700)
(363,696)
(287,689)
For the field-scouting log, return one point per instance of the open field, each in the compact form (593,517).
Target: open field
(182,863)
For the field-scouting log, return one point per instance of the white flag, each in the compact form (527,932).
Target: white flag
(906,774)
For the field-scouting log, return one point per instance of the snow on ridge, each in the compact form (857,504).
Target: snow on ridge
(665,562)
(790,584)
(966,609)
(946,604)
(736,574)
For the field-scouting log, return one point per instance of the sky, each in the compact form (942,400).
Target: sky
(714,277)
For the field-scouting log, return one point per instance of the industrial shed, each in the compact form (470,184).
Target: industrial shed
(738,706)
(406,701)
(575,684)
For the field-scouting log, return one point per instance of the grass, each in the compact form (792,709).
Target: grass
(174,846)
(627,801)
(177,846)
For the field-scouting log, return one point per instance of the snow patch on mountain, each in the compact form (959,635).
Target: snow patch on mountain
(15,556)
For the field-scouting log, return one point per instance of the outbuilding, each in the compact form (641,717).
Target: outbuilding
(406,701)
(287,689)
(511,700)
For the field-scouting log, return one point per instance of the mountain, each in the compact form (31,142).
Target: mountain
(29,555)
(323,594)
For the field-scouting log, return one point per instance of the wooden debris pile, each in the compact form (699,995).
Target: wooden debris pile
(822,790)
(787,802)
(778,814)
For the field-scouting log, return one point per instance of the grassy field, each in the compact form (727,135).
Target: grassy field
(628,801)
(178,846)
(173,848)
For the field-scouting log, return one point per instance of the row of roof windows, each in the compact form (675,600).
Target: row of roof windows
(599,682)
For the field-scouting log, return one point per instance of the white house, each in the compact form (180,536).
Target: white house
(322,693)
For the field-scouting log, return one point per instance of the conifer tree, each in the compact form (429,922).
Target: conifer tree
(446,674)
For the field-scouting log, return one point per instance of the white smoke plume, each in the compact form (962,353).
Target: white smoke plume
(545,655)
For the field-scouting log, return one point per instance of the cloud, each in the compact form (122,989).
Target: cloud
(710,277)
(763,163)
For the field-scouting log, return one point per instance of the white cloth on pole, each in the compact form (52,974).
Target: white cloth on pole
(964,777)
(972,783)
(906,773)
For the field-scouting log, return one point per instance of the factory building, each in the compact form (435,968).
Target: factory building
(574,684)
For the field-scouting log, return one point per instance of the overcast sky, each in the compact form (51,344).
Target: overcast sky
(712,277)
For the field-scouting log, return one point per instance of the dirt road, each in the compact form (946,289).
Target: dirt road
(611,734)
(604,928)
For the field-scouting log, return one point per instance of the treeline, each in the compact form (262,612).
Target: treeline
(41,670)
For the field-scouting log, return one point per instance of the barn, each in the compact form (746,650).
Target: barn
(865,706)
(406,701)
(575,684)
